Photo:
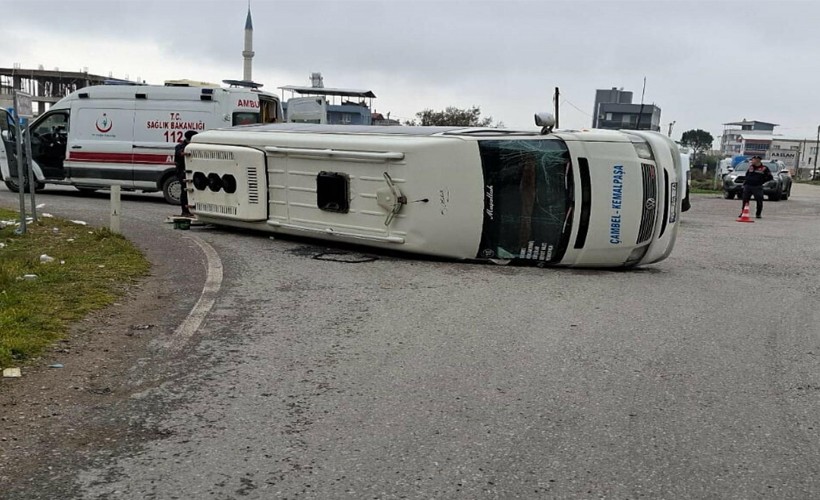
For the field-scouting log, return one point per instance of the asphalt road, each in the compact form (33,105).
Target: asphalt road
(399,377)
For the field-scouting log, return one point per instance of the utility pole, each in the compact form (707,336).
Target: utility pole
(816,150)
(802,157)
(670,128)
(555,101)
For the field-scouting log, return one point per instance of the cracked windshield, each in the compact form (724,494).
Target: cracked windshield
(527,199)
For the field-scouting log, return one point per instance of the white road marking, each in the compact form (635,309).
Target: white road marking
(213,282)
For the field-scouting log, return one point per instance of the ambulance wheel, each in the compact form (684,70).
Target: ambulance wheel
(172,190)
(15,188)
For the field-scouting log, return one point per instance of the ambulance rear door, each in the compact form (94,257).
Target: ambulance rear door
(100,142)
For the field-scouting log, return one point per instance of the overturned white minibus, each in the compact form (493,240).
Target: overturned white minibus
(593,198)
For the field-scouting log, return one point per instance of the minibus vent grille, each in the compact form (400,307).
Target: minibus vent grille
(212,155)
(213,208)
(253,186)
(650,202)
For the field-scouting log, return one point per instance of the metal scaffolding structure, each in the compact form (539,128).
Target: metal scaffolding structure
(45,86)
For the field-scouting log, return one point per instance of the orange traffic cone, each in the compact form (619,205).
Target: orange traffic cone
(744,216)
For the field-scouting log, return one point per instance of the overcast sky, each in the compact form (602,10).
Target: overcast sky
(705,62)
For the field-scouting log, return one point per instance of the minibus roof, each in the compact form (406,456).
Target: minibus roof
(381,130)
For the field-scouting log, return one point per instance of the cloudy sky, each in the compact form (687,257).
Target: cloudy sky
(705,62)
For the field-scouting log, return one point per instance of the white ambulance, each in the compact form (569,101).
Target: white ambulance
(125,134)
(575,198)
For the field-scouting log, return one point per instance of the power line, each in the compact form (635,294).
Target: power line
(565,101)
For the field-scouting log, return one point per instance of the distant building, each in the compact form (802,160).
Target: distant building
(614,110)
(747,137)
(46,86)
(317,104)
(798,155)
(380,119)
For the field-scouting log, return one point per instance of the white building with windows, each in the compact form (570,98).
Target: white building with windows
(747,137)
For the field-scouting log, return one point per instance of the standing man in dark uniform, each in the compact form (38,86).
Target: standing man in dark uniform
(179,160)
(757,175)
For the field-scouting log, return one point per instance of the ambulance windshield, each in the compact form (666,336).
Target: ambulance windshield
(528,199)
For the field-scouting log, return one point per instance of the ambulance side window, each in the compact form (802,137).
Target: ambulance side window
(6,126)
(245,118)
(53,126)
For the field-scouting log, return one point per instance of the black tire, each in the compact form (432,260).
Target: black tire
(172,190)
(15,188)
(787,194)
(728,195)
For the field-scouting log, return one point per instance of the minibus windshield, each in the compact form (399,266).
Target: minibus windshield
(528,199)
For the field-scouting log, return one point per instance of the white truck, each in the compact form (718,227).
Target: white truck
(125,134)
(594,198)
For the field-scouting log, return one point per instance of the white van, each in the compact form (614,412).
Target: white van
(122,134)
(574,198)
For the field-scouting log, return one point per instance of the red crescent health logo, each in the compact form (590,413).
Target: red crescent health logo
(104,124)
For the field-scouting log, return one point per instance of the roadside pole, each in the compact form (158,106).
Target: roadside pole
(20,173)
(116,209)
(30,167)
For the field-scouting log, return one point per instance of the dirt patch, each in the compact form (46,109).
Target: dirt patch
(55,420)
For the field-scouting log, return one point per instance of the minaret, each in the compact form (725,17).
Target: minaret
(247,54)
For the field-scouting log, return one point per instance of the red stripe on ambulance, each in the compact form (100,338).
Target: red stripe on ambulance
(141,158)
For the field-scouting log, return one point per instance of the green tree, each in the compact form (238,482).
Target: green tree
(699,140)
(454,117)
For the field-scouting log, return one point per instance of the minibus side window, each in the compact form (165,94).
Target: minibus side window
(270,111)
(245,118)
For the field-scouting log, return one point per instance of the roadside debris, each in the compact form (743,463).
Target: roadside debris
(29,277)
(45,259)
(79,222)
(56,365)
(12,373)
(46,215)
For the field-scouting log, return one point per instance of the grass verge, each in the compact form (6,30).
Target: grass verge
(91,268)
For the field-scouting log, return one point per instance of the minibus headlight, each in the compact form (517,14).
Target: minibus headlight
(636,255)
(642,147)
(643,150)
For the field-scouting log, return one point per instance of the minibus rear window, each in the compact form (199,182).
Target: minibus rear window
(245,118)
